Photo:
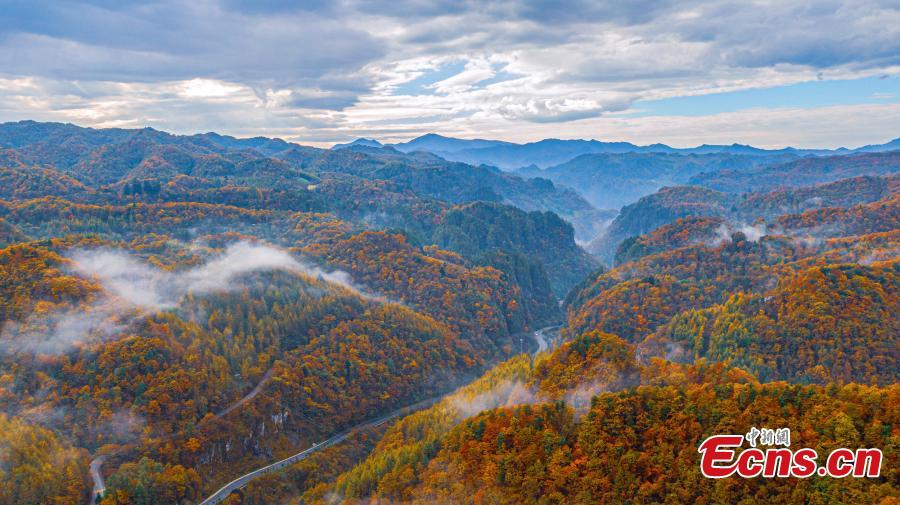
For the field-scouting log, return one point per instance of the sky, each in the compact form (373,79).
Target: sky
(771,73)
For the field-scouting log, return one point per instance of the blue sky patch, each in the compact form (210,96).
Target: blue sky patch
(805,95)
(420,85)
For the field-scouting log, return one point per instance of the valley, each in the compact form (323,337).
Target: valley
(207,319)
(407,252)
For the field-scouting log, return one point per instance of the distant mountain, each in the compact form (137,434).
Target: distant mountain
(439,144)
(359,143)
(613,180)
(746,149)
(549,152)
(265,145)
(671,204)
(890,146)
(44,156)
(63,145)
(545,153)
(801,172)
(430,176)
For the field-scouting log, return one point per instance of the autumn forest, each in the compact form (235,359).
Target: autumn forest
(178,311)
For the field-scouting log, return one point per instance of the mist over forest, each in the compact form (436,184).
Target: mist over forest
(486,253)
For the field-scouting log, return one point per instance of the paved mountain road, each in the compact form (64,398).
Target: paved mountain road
(242,481)
(217,497)
(96,463)
(540,336)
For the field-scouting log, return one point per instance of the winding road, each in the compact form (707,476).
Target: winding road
(96,463)
(539,336)
(243,480)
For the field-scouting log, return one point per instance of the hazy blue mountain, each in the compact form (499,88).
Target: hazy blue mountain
(672,203)
(544,153)
(438,144)
(612,180)
(361,142)
(549,152)
(893,145)
(800,172)
(265,145)
(750,150)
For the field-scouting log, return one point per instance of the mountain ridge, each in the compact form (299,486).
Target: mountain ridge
(551,151)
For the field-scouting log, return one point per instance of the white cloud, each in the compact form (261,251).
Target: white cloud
(325,72)
(474,72)
(208,88)
(132,288)
(147,287)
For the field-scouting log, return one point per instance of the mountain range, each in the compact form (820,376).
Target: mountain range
(179,311)
(549,152)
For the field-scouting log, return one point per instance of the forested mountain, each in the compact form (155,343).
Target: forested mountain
(549,152)
(149,282)
(703,328)
(666,205)
(671,204)
(176,311)
(641,446)
(802,172)
(481,228)
(802,331)
(61,467)
(108,161)
(611,181)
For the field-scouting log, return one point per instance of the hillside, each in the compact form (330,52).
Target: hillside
(687,335)
(611,181)
(802,172)
(149,282)
(176,311)
(481,228)
(549,152)
(671,204)
(802,331)
(650,212)
(644,445)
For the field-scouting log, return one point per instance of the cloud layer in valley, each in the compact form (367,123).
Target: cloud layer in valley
(131,288)
(322,72)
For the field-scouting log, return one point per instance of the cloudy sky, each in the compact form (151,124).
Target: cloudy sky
(816,73)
